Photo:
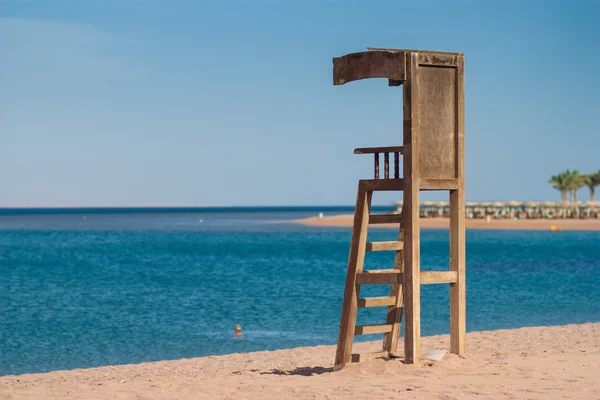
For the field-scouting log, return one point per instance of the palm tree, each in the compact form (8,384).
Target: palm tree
(591,181)
(575,182)
(560,182)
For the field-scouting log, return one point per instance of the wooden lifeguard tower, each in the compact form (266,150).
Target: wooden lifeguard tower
(433,159)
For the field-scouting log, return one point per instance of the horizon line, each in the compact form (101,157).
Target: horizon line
(28,206)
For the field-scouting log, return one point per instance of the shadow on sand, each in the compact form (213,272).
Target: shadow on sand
(303,371)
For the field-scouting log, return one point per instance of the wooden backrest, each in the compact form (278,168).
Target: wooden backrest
(437,86)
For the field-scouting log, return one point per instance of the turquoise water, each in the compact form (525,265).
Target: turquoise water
(130,287)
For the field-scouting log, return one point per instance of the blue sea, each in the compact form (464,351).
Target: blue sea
(85,288)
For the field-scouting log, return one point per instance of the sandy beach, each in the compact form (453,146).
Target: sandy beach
(442,223)
(561,362)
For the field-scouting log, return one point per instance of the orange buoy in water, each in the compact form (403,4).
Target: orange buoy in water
(554,228)
(237,331)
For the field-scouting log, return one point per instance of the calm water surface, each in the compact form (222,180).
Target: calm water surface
(129,287)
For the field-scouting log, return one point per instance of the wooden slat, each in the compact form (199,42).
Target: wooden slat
(356,260)
(369,302)
(429,277)
(458,307)
(410,207)
(379,277)
(385,246)
(371,329)
(383,185)
(373,150)
(437,59)
(414,51)
(369,356)
(385,219)
(438,184)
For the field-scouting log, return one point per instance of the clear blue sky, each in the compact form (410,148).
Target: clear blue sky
(121,102)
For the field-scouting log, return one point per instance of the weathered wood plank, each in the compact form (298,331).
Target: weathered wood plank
(369,302)
(396,245)
(368,64)
(458,307)
(369,356)
(414,51)
(437,59)
(375,219)
(437,103)
(373,150)
(379,277)
(430,277)
(371,329)
(411,286)
(383,185)
(356,260)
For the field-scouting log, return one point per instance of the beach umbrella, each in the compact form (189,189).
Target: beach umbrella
(549,204)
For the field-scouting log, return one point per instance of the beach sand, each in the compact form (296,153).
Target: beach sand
(560,362)
(522,224)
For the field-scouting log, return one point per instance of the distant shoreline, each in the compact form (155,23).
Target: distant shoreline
(60,207)
(346,221)
(49,210)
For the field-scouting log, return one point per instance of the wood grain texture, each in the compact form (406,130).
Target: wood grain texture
(436,102)
(437,59)
(371,329)
(385,246)
(384,301)
(384,185)
(369,356)
(368,64)
(458,304)
(430,277)
(411,286)
(375,219)
(379,277)
(356,260)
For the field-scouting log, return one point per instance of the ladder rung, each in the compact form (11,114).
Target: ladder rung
(368,302)
(379,277)
(376,185)
(369,356)
(385,219)
(385,246)
(370,329)
(428,277)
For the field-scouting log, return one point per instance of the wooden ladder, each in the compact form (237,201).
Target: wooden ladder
(356,276)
